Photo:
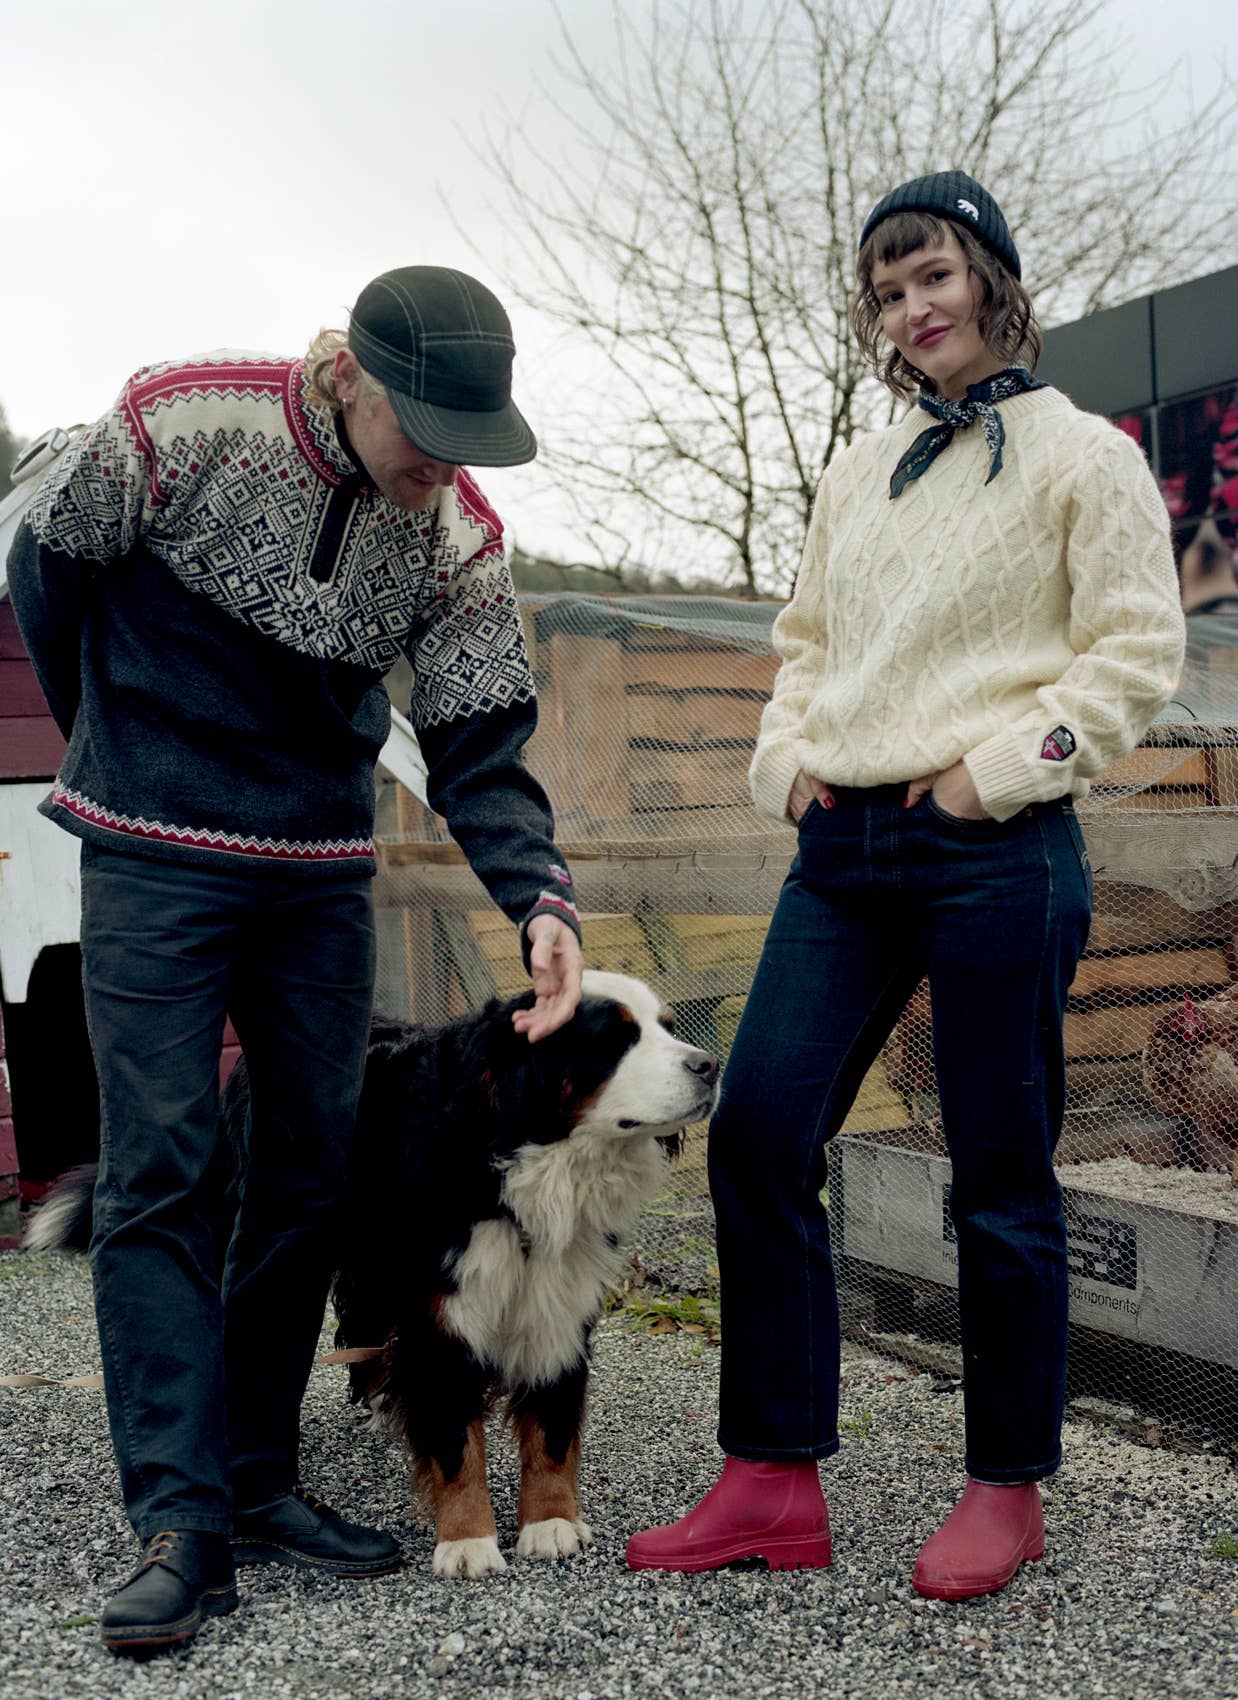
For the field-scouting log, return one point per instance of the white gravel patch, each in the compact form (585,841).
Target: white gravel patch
(1129,1603)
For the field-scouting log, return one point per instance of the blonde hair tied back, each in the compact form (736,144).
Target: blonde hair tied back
(320,371)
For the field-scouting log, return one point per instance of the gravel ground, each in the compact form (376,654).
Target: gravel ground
(1130,1601)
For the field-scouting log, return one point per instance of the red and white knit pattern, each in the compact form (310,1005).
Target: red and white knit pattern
(212,838)
(224,471)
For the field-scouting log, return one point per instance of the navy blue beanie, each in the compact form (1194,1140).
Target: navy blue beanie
(952,194)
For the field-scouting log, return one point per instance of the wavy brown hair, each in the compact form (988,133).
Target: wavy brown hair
(1006,320)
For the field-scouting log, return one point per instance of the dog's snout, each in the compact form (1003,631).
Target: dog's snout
(702,1063)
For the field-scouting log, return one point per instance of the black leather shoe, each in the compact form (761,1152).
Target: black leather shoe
(298,1529)
(184,1576)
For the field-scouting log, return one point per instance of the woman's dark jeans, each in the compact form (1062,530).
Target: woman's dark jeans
(996,915)
(205,1366)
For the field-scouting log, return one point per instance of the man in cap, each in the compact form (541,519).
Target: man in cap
(212,583)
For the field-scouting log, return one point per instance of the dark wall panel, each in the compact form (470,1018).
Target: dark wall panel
(1196,334)
(1104,362)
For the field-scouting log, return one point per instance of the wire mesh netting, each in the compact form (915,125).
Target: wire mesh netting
(649,711)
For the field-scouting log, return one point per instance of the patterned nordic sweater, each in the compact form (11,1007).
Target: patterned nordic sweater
(211,593)
(974,621)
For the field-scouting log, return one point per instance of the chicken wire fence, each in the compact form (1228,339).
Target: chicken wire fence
(649,711)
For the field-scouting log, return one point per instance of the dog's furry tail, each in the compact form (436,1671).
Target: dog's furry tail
(62,1221)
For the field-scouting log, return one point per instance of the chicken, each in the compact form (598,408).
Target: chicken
(1190,1072)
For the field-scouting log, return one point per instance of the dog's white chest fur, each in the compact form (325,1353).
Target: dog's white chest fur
(525,1290)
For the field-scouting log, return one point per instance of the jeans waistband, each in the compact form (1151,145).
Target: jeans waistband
(895,795)
(877,795)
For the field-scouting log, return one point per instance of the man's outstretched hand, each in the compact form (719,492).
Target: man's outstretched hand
(556,964)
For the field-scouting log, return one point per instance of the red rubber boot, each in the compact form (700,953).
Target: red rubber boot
(982,1543)
(772,1511)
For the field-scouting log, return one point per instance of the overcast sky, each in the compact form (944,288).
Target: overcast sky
(178,178)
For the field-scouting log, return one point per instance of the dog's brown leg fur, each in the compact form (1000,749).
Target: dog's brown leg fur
(547,1489)
(467,1535)
(549,1509)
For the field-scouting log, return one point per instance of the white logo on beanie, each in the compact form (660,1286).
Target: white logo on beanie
(971,211)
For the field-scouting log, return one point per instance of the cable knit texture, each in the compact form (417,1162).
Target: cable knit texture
(970,621)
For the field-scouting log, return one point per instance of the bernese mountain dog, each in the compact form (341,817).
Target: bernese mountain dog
(493,1184)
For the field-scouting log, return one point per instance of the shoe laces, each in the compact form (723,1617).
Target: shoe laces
(312,1500)
(160,1547)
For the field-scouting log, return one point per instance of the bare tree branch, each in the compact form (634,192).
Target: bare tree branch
(696,240)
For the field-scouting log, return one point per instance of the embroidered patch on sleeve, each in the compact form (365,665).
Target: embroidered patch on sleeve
(1058,745)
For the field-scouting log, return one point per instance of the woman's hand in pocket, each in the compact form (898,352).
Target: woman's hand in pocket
(954,792)
(803,791)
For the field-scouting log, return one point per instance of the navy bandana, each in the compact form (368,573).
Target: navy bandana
(978,403)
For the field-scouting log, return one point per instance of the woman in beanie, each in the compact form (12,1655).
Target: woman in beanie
(986,615)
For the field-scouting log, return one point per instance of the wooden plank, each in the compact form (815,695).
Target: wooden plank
(426,997)
(641,636)
(663,779)
(728,860)
(1136,852)
(1161,800)
(684,966)
(583,729)
(1111,1032)
(1225,776)
(1144,853)
(689,719)
(720,835)
(456,943)
(11,646)
(20,692)
(30,747)
(1133,915)
(620,944)
(1144,767)
(1112,1078)
(1154,969)
(733,669)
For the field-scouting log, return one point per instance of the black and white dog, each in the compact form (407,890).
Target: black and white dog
(493,1182)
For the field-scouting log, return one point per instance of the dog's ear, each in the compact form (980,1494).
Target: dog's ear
(529,1086)
(561,1073)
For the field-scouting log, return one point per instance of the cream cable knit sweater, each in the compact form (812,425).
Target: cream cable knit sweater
(971,620)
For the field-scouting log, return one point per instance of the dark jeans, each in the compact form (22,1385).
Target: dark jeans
(206,1356)
(996,914)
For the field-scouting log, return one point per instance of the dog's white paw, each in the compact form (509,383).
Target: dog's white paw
(477,1556)
(555,1538)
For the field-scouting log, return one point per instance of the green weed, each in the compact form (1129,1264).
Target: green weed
(860,1425)
(672,1313)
